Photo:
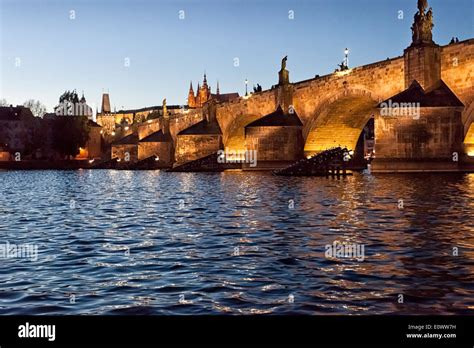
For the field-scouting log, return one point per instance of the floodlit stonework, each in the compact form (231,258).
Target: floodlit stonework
(333,109)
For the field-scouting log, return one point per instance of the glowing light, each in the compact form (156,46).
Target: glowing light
(470,153)
(149,121)
(113,133)
(91,161)
(157,158)
(127,128)
(118,159)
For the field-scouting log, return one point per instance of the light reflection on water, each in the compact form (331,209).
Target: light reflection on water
(135,241)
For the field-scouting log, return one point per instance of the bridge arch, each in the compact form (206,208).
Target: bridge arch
(234,136)
(468,120)
(340,119)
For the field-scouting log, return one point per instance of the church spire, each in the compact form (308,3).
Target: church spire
(191,97)
(217,90)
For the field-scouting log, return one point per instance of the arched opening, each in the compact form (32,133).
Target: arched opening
(469,141)
(469,131)
(235,137)
(346,122)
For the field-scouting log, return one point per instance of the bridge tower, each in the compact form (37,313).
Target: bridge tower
(420,128)
(423,56)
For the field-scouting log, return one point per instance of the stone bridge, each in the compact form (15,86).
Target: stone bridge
(335,108)
(437,82)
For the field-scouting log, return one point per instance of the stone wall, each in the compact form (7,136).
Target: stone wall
(192,147)
(185,120)
(163,150)
(149,127)
(313,97)
(423,64)
(120,152)
(378,81)
(436,134)
(457,70)
(235,115)
(94,144)
(107,121)
(275,143)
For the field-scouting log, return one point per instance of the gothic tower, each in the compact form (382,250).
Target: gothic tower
(105,103)
(198,96)
(204,93)
(191,98)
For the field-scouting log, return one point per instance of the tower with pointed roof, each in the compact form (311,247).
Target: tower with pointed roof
(105,103)
(197,97)
(191,97)
(204,92)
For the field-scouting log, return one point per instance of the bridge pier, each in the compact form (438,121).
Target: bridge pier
(420,129)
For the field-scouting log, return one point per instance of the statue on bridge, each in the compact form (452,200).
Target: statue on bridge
(283,74)
(422,5)
(423,24)
(283,63)
(164,108)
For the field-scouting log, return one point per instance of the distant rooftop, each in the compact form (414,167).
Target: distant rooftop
(202,127)
(14,113)
(157,137)
(130,139)
(277,119)
(438,96)
(226,97)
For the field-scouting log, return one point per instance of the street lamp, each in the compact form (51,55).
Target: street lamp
(246,83)
(346,52)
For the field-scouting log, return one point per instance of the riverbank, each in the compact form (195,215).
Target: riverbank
(204,165)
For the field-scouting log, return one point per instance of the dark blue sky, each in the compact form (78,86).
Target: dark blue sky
(165,52)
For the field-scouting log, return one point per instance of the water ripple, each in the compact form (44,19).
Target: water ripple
(149,242)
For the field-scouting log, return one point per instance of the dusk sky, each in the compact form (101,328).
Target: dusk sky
(165,52)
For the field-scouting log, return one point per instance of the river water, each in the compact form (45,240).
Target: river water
(150,242)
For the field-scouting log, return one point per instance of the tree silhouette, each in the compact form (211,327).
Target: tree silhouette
(69,134)
(37,109)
